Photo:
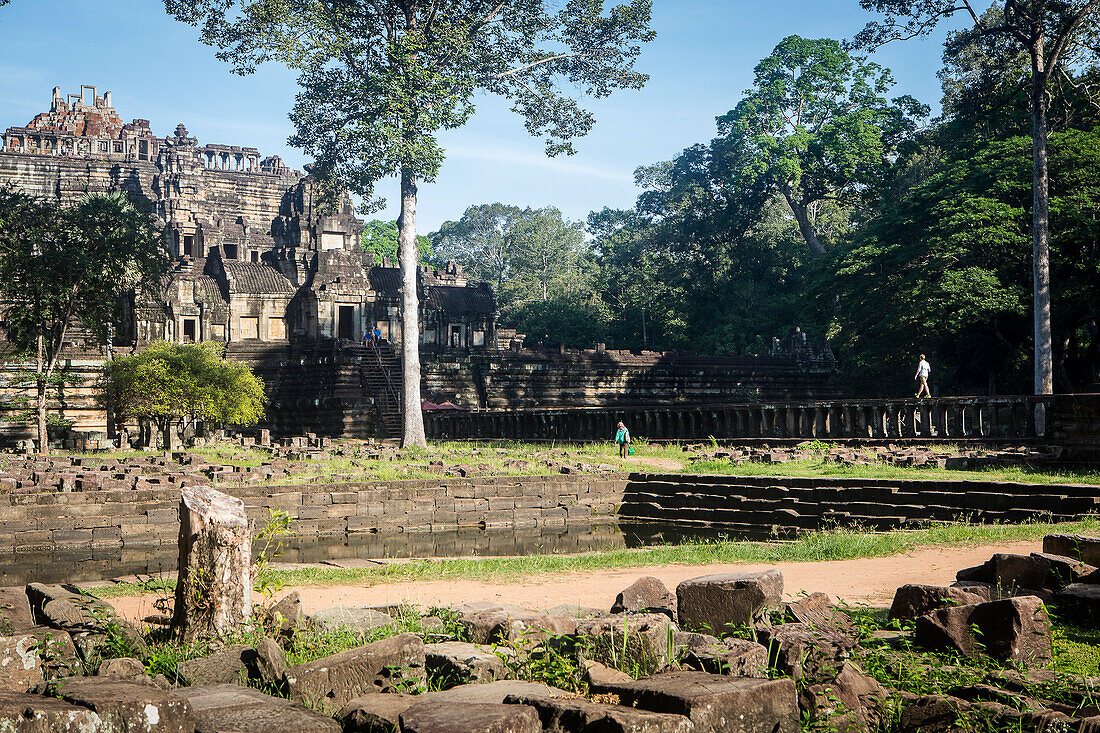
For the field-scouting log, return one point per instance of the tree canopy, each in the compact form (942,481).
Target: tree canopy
(64,266)
(174,385)
(379,80)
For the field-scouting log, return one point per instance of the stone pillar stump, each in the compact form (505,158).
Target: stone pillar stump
(214,589)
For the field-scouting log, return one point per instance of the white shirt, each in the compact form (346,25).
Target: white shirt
(924,368)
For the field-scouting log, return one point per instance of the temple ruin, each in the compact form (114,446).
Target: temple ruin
(261,265)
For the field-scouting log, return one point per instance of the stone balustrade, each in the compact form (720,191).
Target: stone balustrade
(1009,418)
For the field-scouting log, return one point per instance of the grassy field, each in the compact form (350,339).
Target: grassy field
(832,544)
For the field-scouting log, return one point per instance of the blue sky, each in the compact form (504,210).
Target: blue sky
(700,63)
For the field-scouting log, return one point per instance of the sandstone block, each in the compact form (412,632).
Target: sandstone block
(362,620)
(717,704)
(233,665)
(389,665)
(20,663)
(22,712)
(437,717)
(126,669)
(721,603)
(913,600)
(494,692)
(1080,602)
(598,675)
(817,610)
(270,661)
(571,715)
(376,713)
(487,623)
(127,706)
(219,708)
(850,693)
(632,640)
(284,617)
(1013,629)
(457,663)
(1080,547)
(15,610)
(731,656)
(805,652)
(645,594)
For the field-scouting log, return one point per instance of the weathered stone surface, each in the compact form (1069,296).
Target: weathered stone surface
(1080,547)
(644,594)
(376,713)
(21,712)
(913,600)
(127,706)
(389,665)
(89,621)
(59,655)
(1080,602)
(458,663)
(717,704)
(214,587)
(20,663)
(283,618)
(486,623)
(598,675)
(850,692)
(437,717)
(1035,572)
(362,620)
(718,604)
(233,665)
(817,610)
(15,610)
(634,640)
(270,661)
(1013,629)
(805,652)
(731,656)
(224,708)
(571,715)
(126,669)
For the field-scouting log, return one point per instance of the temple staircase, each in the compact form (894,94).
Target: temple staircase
(380,378)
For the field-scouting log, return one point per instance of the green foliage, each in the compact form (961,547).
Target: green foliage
(173,383)
(551,659)
(380,239)
(947,272)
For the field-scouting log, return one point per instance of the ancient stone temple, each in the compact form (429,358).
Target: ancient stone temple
(261,265)
(258,257)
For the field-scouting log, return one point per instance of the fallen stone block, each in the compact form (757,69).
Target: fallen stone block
(219,708)
(487,623)
(15,610)
(363,620)
(125,705)
(598,675)
(126,669)
(631,641)
(718,604)
(805,652)
(233,665)
(1009,630)
(395,664)
(817,610)
(22,712)
(285,616)
(1080,547)
(717,704)
(375,713)
(454,663)
(1080,602)
(21,665)
(439,717)
(1035,572)
(731,656)
(645,594)
(572,715)
(494,692)
(270,661)
(850,693)
(913,600)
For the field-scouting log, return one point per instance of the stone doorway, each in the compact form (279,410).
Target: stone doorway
(346,322)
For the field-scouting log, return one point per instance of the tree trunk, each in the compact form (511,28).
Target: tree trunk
(1040,225)
(40,398)
(214,589)
(409,255)
(804,225)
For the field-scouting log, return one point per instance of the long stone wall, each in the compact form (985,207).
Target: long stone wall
(87,516)
(755,504)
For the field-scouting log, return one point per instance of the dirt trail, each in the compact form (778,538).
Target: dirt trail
(869,580)
(663,464)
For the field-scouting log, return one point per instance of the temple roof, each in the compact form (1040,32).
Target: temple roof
(258,278)
(461,300)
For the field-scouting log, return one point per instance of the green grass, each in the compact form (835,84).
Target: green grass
(831,544)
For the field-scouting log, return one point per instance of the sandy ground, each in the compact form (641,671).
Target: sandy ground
(871,581)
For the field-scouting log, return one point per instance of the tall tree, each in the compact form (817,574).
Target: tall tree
(380,78)
(816,127)
(60,266)
(1048,31)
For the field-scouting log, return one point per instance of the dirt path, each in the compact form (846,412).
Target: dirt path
(870,580)
(663,464)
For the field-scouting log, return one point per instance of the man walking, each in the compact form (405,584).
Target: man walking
(923,370)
